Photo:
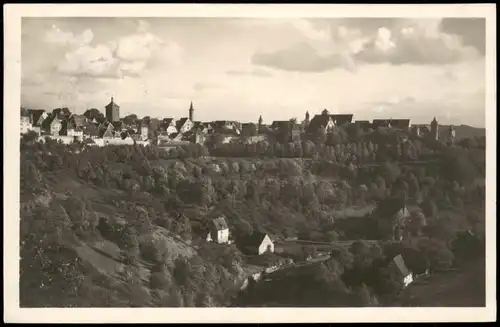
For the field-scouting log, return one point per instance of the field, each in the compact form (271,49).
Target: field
(462,288)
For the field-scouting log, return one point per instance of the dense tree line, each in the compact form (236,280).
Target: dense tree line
(177,189)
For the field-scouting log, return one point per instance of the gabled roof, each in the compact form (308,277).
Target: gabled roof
(381,123)
(35,115)
(117,125)
(220,223)
(165,123)
(341,119)
(49,120)
(400,264)
(112,104)
(253,240)
(181,122)
(318,121)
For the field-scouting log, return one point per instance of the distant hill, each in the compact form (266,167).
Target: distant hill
(462,131)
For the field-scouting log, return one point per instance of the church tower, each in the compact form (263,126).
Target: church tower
(260,121)
(306,121)
(191,112)
(434,129)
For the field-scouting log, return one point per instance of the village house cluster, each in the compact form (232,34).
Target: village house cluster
(107,129)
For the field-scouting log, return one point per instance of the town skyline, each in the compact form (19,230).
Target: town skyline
(372,68)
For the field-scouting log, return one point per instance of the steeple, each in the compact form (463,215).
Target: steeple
(191,111)
(434,129)
(306,121)
(260,120)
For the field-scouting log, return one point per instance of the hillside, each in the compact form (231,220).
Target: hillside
(463,131)
(124,226)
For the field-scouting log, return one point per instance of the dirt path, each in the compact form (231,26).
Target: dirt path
(463,288)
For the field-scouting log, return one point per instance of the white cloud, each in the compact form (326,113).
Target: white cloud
(417,42)
(57,36)
(95,61)
(127,56)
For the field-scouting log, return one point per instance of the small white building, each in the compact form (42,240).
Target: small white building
(401,267)
(219,231)
(257,243)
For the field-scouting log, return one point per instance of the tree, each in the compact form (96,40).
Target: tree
(320,135)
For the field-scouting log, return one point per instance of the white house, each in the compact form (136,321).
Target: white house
(257,243)
(401,267)
(219,232)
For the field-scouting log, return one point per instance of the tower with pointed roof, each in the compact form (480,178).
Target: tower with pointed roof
(434,129)
(191,111)
(306,121)
(260,122)
(112,111)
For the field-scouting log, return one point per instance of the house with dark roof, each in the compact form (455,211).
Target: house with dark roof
(341,119)
(78,120)
(401,124)
(381,123)
(226,125)
(37,116)
(118,125)
(399,264)
(90,131)
(51,125)
(256,243)
(184,125)
(61,113)
(67,128)
(202,127)
(219,231)
(106,130)
(321,121)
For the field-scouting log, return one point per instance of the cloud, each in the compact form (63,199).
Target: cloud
(254,72)
(472,31)
(330,44)
(57,36)
(128,56)
(415,44)
(91,61)
(302,57)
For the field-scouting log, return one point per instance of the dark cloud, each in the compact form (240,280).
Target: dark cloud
(301,57)
(471,30)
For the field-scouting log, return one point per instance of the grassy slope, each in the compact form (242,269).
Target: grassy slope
(463,288)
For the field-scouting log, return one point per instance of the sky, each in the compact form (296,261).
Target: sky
(241,68)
